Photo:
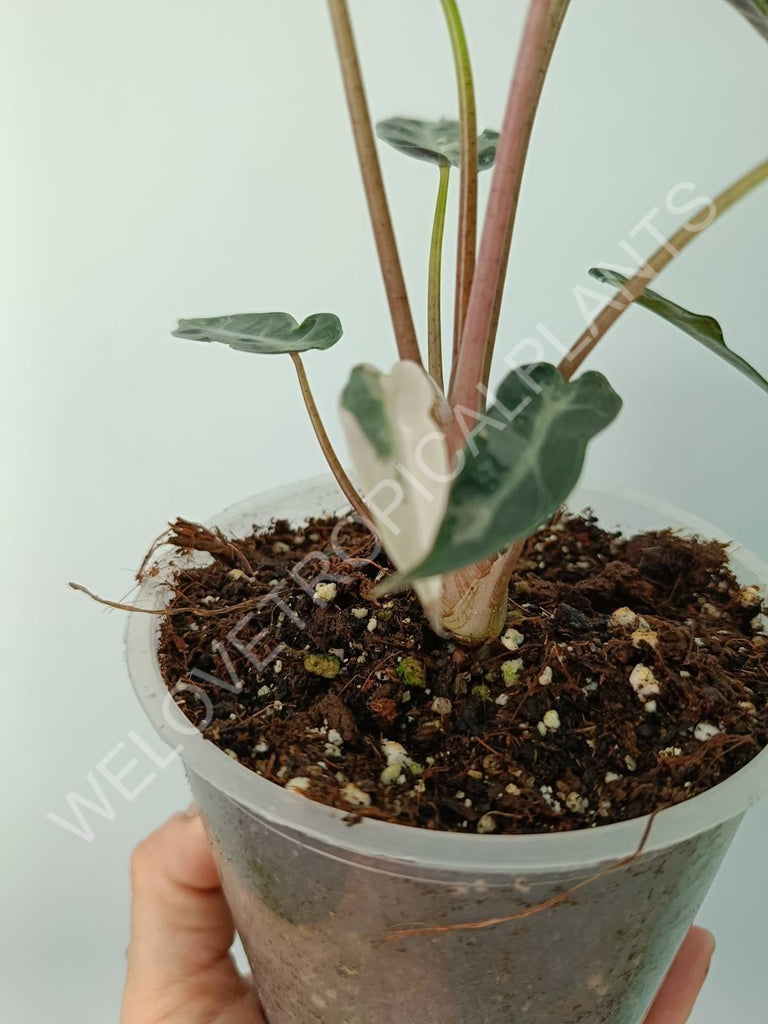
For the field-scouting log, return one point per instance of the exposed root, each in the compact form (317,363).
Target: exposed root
(189,536)
(144,571)
(406,933)
(207,613)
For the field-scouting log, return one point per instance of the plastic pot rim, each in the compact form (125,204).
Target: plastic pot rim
(408,845)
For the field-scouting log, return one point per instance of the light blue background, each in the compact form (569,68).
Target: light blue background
(179,157)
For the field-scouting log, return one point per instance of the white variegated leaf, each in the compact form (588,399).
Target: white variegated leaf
(436,142)
(264,333)
(401,458)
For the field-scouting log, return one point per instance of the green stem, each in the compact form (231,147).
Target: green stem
(392,272)
(467,245)
(434,311)
(331,457)
(634,288)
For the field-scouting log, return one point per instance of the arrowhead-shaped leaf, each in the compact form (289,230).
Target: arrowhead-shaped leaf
(401,457)
(521,465)
(704,329)
(756,12)
(266,333)
(437,142)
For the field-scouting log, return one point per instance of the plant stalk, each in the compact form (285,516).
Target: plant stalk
(635,287)
(394,283)
(331,457)
(434,308)
(467,244)
(496,239)
(632,291)
(557,16)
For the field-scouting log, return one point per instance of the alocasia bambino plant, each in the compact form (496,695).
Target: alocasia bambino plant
(453,487)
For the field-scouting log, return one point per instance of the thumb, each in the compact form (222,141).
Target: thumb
(674,1003)
(181,932)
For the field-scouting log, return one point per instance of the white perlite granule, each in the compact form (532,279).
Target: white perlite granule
(623,617)
(576,803)
(749,597)
(551,720)
(395,752)
(298,785)
(326,591)
(355,796)
(645,636)
(441,706)
(644,682)
(512,639)
(671,752)
(705,731)
(486,824)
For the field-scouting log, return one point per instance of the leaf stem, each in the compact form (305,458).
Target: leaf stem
(556,17)
(467,244)
(434,310)
(331,457)
(488,283)
(392,272)
(664,255)
(756,13)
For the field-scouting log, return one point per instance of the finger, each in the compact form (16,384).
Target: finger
(181,927)
(180,920)
(676,998)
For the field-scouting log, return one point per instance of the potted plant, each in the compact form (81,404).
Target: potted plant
(462,756)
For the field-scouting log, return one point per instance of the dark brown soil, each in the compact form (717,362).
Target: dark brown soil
(315,694)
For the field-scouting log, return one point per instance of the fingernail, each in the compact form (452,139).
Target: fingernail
(191,811)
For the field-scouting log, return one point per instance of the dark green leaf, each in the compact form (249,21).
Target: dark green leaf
(704,329)
(267,333)
(756,12)
(437,142)
(521,465)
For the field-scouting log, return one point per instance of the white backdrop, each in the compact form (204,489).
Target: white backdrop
(180,158)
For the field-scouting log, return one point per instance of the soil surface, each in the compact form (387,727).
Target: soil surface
(633,674)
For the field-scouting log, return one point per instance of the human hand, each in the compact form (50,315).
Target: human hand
(179,966)
(675,999)
(180,970)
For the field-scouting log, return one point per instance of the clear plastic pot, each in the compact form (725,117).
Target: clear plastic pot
(315,900)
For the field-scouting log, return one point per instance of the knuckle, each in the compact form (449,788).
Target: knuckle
(141,863)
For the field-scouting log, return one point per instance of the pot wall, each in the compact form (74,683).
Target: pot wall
(315,925)
(315,899)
